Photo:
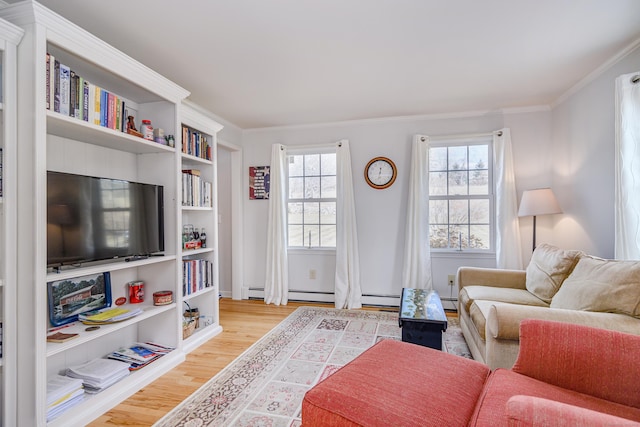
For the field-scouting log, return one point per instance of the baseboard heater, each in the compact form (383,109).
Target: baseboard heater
(329,297)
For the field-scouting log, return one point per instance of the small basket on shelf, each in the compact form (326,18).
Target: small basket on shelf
(188,323)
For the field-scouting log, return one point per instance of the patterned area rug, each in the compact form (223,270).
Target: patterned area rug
(265,385)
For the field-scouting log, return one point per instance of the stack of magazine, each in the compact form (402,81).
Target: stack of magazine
(139,355)
(108,315)
(62,393)
(98,374)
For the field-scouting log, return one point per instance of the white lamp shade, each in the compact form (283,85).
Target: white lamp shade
(540,201)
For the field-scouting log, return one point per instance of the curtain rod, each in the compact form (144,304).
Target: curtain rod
(465,135)
(311,146)
(635,79)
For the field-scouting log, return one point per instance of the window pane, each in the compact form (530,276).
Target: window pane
(328,187)
(328,236)
(438,159)
(479,182)
(296,186)
(295,213)
(479,211)
(438,212)
(312,187)
(311,235)
(437,183)
(459,212)
(480,237)
(327,213)
(328,164)
(295,235)
(438,236)
(312,165)
(458,158)
(312,213)
(295,165)
(478,156)
(458,183)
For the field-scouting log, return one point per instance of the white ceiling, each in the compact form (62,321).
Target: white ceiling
(259,63)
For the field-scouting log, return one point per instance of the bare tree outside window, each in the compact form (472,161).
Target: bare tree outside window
(311,204)
(460,196)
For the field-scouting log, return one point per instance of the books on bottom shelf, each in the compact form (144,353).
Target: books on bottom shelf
(98,374)
(140,355)
(63,393)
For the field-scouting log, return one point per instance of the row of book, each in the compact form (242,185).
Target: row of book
(197,274)
(196,191)
(196,143)
(72,95)
(65,391)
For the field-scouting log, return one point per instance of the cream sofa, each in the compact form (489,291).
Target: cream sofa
(562,285)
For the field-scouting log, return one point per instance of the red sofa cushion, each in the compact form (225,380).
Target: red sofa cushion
(594,361)
(491,409)
(528,411)
(395,383)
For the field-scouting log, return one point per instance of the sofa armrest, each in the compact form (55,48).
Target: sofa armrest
(468,276)
(593,361)
(529,411)
(503,320)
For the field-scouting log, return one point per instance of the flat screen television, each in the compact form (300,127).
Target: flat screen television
(93,219)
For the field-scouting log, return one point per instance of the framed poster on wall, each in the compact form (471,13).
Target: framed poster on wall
(259,182)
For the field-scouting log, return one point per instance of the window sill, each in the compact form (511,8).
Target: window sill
(312,251)
(463,254)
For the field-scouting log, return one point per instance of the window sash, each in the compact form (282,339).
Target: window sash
(489,197)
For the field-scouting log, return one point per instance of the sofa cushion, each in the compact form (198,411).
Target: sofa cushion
(601,285)
(491,409)
(469,294)
(548,268)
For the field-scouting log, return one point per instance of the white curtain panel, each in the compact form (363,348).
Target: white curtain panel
(416,272)
(508,243)
(276,286)
(348,293)
(627,182)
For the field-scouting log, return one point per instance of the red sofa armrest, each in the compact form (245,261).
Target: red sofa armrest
(529,411)
(598,362)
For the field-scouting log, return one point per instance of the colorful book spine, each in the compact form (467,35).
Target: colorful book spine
(65,89)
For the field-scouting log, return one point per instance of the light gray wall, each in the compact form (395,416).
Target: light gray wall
(583,132)
(381,213)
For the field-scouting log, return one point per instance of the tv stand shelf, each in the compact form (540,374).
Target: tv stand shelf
(70,273)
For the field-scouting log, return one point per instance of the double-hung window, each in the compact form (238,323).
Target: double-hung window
(311,201)
(461,196)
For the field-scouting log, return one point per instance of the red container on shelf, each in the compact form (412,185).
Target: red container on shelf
(136,292)
(162,297)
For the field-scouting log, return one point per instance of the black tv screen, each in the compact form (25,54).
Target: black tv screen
(91,219)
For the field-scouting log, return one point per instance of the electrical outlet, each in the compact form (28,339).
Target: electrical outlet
(312,274)
(452,279)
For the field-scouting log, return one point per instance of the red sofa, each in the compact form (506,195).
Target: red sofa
(565,375)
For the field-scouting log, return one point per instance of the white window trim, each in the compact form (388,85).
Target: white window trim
(298,151)
(481,253)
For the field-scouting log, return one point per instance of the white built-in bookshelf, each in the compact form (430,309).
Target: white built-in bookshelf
(10,36)
(201,292)
(50,141)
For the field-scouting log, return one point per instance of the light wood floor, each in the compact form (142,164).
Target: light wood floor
(243,322)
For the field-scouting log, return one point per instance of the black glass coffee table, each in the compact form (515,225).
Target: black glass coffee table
(422,317)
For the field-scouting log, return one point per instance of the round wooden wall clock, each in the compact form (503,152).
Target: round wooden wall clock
(380,172)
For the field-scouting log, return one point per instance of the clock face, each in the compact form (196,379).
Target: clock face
(380,173)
